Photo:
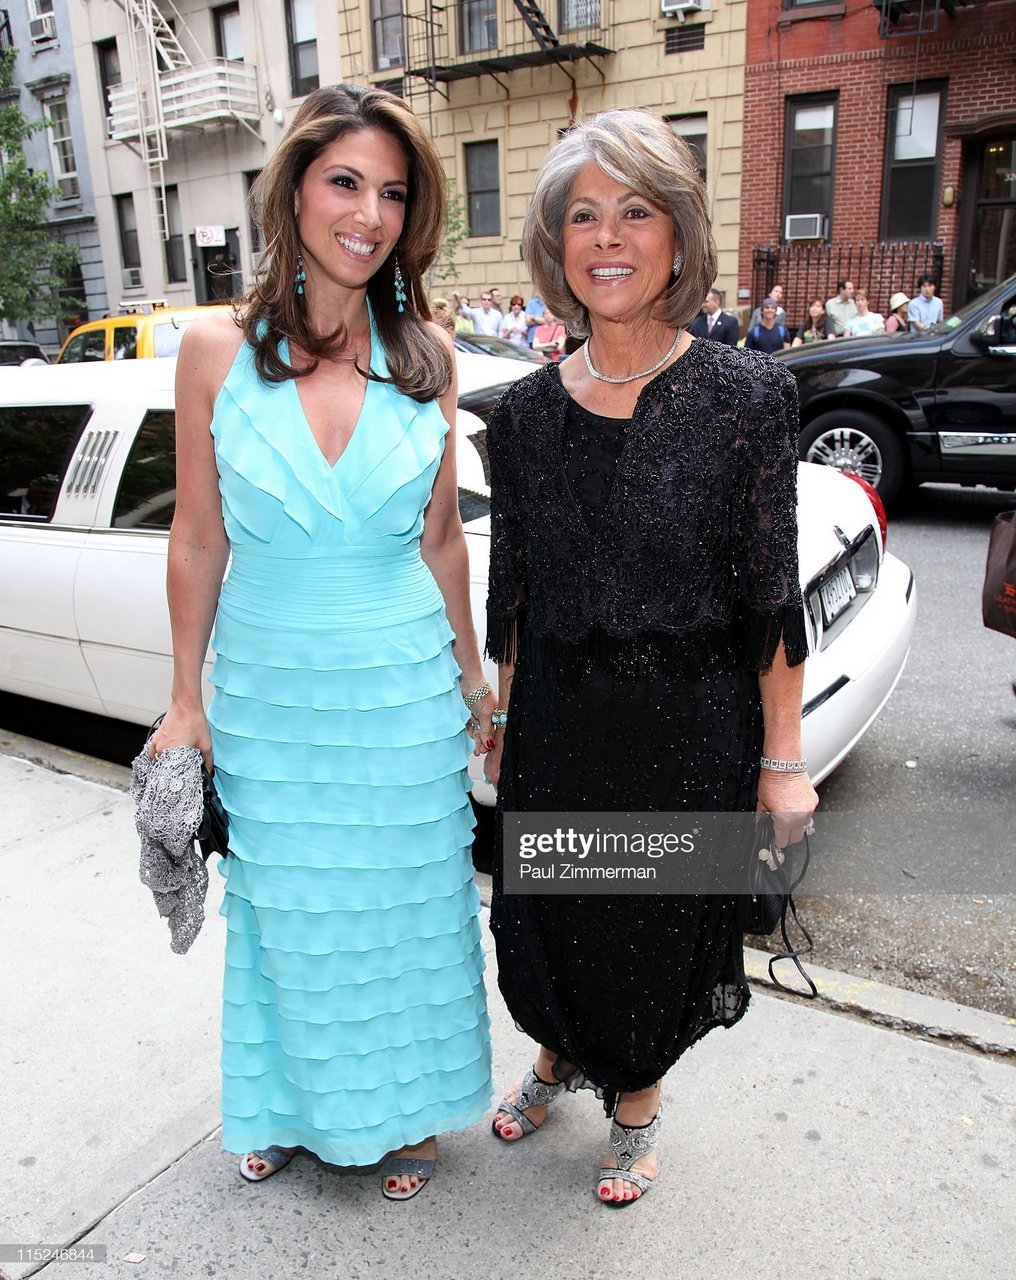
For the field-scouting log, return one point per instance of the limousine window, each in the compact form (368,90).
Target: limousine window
(147,496)
(36,443)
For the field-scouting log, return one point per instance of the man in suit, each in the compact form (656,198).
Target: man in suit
(713,322)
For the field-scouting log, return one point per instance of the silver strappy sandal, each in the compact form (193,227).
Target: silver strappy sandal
(275,1158)
(410,1167)
(533,1092)
(629,1143)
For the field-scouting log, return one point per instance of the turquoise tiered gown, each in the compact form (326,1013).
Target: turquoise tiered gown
(354,1015)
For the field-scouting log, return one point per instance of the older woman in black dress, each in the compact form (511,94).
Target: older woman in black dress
(646,616)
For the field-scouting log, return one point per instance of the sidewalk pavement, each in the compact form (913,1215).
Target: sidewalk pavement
(868,1135)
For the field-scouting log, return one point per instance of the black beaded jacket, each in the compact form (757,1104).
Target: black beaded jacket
(699,534)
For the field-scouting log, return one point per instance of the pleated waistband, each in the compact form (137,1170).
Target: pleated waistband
(348,589)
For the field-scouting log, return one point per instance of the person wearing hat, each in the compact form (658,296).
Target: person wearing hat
(896,321)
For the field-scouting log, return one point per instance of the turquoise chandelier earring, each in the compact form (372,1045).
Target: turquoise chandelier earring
(300,278)
(400,287)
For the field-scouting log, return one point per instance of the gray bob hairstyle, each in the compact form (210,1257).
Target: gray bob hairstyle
(642,151)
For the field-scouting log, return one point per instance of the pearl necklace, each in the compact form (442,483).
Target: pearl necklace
(632,377)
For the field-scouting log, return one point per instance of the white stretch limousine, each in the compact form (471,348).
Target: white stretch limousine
(87,495)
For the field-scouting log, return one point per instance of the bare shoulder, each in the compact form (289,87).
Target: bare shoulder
(207,351)
(440,332)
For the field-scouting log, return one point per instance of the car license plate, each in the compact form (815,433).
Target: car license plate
(836,594)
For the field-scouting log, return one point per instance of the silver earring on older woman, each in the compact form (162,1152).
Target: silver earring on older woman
(678,264)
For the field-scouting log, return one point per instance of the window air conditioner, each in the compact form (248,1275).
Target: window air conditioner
(804,226)
(132,278)
(671,7)
(42,28)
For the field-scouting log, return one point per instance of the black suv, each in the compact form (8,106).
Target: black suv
(907,408)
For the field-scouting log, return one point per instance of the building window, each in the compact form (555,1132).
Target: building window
(176,258)
(257,241)
(909,206)
(38,8)
(109,71)
(477,25)
(126,221)
(228,33)
(301,22)
(483,189)
(695,131)
(686,39)
(61,148)
(809,156)
(386,21)
(575,14)
(396,86)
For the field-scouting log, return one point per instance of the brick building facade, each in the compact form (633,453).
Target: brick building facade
(894,124)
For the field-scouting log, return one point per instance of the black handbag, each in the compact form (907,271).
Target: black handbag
(212,835)
(769,900)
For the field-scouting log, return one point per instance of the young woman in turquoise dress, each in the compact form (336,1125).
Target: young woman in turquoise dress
(315,448)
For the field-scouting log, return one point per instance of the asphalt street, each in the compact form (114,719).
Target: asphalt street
(944,746)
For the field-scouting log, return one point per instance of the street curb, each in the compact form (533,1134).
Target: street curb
(925,1017)
(59,760)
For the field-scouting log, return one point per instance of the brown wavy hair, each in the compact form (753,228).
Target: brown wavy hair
(418,362)
(641,151)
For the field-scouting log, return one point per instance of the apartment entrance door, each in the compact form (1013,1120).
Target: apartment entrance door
(217,269)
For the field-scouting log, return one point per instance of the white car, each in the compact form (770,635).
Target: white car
(87,495)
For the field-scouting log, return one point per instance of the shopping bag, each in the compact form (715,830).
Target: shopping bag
(998,599)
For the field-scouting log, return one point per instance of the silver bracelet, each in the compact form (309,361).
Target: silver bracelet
(477,696)
(784,766)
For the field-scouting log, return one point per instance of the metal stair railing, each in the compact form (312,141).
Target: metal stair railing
(536,20)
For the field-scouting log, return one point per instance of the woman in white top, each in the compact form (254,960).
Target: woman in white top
(516,322)
(866,323)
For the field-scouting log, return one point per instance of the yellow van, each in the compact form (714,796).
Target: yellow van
(143,331)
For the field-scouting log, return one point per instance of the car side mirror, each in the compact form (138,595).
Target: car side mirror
(996,331)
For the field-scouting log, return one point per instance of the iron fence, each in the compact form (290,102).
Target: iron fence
(810,271)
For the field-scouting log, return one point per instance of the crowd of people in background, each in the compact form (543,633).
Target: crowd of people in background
(847,314)
(523,324)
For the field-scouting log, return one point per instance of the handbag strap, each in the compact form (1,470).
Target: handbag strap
(793,953)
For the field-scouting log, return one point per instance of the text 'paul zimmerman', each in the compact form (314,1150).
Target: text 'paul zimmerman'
(567,843)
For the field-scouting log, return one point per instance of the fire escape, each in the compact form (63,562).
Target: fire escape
(172,93)
(465,39)
(916,17)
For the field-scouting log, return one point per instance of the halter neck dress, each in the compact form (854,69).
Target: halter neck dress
(354,1015)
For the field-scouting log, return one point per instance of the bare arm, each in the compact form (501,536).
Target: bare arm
(198,547)
(443,547)
(492,764)
(789,797)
